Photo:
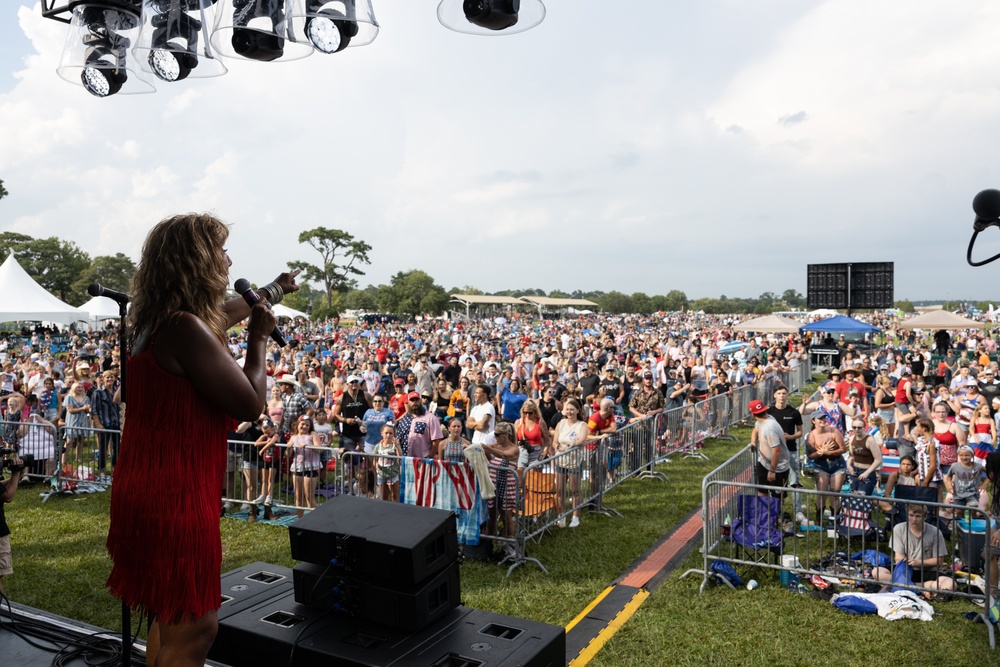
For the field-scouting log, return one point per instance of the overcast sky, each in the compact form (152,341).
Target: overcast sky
(715,147)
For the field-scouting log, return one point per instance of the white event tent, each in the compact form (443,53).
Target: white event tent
(285,311)
(101,308)
(22,299)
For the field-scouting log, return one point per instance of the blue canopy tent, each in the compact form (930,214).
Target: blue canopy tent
(841,324)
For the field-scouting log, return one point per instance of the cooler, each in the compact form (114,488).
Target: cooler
(971,540)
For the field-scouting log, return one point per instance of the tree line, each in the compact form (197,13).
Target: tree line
(330,285)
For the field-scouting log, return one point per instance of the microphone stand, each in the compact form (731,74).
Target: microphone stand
(124,354)
(121,299)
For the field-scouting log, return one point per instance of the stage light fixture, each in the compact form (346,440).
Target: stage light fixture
(119,46)
(331,26)
(255,30)
(490,17)
(96,54)
(174,39)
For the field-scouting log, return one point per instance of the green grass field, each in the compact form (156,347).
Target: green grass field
(60,566)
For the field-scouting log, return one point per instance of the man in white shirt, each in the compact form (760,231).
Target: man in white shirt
(482,418)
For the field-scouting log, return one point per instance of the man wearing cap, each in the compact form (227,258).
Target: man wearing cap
(850,384)
(418,431)
(424,373)
(348,411)
(989,387)
(294,403)
(790,420)
(647,399)
(772,464)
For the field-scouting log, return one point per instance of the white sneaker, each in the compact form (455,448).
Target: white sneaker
(575,522)
(227,507)
(258,500)
(267,501)
(561,522)
(801,518)
(244,507)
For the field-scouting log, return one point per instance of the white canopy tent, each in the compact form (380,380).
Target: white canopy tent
(22,299)
(285,311)
(101,308)
(769,324)
(941,319)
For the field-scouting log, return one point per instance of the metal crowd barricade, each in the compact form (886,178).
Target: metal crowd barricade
(86,459)
(854,549)
(549,492)
(452,485)
(38,439)
(250,479)
(710,421)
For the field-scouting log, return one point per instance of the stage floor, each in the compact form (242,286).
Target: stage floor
(63,634)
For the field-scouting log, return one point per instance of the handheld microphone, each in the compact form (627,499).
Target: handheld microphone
(97,289)
(242,287)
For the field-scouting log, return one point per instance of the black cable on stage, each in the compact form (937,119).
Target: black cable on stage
(92,649)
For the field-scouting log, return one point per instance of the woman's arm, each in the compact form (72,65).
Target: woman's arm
(186,346)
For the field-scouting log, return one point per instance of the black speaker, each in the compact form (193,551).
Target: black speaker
(826,285)
(406,607)
(376,540)
(872,285)
(283,632)
(252,585)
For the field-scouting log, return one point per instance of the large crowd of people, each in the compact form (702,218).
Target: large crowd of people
(528,390)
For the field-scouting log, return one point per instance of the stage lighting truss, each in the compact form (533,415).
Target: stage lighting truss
(124,46)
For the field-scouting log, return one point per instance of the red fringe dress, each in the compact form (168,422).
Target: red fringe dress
(165,501)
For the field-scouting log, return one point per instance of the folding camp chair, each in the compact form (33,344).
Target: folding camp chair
(756,530)
(855,519)
(539,494)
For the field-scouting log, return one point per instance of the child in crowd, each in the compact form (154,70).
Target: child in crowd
(964,481)
(269,461)
(387,469)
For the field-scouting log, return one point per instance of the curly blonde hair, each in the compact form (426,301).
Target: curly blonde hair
(183,268)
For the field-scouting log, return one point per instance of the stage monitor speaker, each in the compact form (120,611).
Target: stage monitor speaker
(376,540)
(252,585)
(409,608)
(283,632)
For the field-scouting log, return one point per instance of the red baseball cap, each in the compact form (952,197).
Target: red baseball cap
(413,396)
(398,382)
(757,408)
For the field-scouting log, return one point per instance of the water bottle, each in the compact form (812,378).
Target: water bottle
(726,525)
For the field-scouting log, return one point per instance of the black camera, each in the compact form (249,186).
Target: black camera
(7,463)
(524,443)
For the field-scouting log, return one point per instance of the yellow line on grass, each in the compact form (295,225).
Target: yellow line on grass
(588,608)
(587,654)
